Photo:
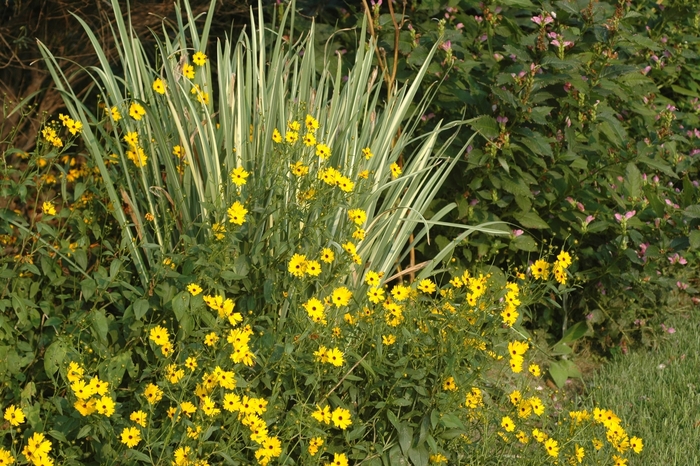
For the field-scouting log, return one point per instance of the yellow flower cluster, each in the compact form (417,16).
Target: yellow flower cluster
(541,268)
(84,390)
(160,336)
(135,153)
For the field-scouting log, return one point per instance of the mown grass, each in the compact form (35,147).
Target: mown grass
(657,393)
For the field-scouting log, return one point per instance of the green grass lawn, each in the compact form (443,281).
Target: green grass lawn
(657,394)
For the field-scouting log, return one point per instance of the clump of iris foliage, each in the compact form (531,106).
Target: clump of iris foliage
(254,308)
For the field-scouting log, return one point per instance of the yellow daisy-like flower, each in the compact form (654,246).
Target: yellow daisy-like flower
(552,447)
(395,170)
(291,137)
(311,123)
(335,357)
(14,415)
(341,418)
(139,417)
(427,286)
(508,424)
(194,289)
(323,151)
(236,213)
(48,208)
(388,340)
(159,86)
(309,140)
(367,152)
(199,59)
(115,114)
(314,444)
(297,265)
(540,269)
(136,111)
(322,414)
(449,384)
(85,407)
(276,136)
(105,406)
(239,175)
(341,296)
(130,436)
(327,255)
(153,394)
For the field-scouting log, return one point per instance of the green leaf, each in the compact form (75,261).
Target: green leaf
(53,357)
(575,332)
(137,455)
(181,304)
(531,220)
(525,243)
(100,324)
(658,165)
(692,211)
(694,238)
(559,373)
(561,349)
(539,114)
(485,125)
(140,308)
(633,181)
(405,437)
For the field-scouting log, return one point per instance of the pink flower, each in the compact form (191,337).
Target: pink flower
(446,46)
(517,233)
(589,219)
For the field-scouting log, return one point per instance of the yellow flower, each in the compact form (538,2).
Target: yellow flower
(311,123)
(335,357)
(114,113)
(635,443)
(236,213)
(367,152)
(99,386)
(291,137)
(313,268)
(341,418)
(327,255)
(276,136)
(159,335)
(309,140)
(74,127)
(341,296)
(130,436)
(427,286)
(449,384)
(14,416)
(6,457)
(297,265)
(358,216)
(194,289)
(314,444)
(48,208)
(299,169)
(199,59)
(345,184)
(552,447)
(388,340)
(540,269)
(323,151)
(395,170)
(139,417)
(188,71)
(238,176)
(153,394)
(81,390)
(85,407)
(400,292)
(211,338)
(74,372)
(322,414)
(375,295)
(132,139)
(339,459)
(105,406)
(136,111)
(137,156)
(159,86)
(534,370)
(508,424)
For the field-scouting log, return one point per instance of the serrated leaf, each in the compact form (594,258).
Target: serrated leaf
(633,181)
(658,165)
(694,239)
(531,220)
(539,114)
(692,211)
(485,125)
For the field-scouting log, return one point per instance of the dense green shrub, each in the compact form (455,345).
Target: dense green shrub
(589,141)
(269,211)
